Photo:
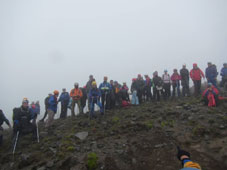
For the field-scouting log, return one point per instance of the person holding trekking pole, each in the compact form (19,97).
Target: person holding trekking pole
(105,89)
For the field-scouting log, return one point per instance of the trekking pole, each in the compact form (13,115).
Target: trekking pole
(105,103)
(15,144)
(37,130)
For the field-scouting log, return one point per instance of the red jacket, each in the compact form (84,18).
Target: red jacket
(196,74)
(175,77)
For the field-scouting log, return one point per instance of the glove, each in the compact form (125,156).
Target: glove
(181,153)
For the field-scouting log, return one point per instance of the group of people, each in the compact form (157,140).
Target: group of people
(109,95)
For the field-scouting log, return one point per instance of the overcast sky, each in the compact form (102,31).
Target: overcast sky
(50,44)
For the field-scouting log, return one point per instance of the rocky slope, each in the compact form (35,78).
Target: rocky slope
(134,138)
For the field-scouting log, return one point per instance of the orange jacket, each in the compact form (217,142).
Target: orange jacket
(76,94)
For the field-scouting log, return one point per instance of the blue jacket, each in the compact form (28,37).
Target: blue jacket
(211,72)
(64,98)
(95,94)
(53,104)
(223,72)
(105,87)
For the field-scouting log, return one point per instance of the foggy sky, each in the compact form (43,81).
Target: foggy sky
(50,44)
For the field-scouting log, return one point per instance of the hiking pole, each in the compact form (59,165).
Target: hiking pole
(15,144)
(37,130)
(105,103)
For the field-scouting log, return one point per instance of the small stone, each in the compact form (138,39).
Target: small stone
(160,145)
(82,135)
(50,164)
(221,127)
(134,161)
(42,168)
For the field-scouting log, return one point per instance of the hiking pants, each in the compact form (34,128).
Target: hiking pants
(64,108)
(50,118)
(185,87)
(1,135)
(197,87)
(176,86)
(106,100)
(74,102)
(135,100)
(156,94)
(93,107)
(166,87)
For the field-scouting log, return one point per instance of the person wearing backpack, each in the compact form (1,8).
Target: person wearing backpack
(166,84)
(46,106)
(175,78)
(2,120)
(64,99)
(22,117)
(76,95)
(184,73)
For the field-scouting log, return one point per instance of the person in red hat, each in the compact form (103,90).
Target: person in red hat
(196,75)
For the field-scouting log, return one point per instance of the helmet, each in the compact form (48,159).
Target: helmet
(56,92)
(76,84)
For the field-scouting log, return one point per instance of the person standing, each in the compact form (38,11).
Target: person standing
(166,84)
(2,120)
(140,87)
(88,88)
(157,89)
(175,78)
(211,74)
(76,95)
(223,75)
(94,96)
(52,108)
(64,99)
(147,88)
(135,100)
(84,98)
(196,75)
(184,73)
(105,89)
(46,106)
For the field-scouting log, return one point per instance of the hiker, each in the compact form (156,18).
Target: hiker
(112,95)
(223,75)
(135,100)
(166,84)
(117,93)
(46,106)
(52,108)
(124,92)
(2,120)
(186,162)
(184,73)
(105,89)
(76,94)
(196,75)
(175,78)
(88,88)
(64,99)
(94,96)
(83,98)
(211,74)
(147,88)
(140,84)
(157,89)
(210,95)
(22,117)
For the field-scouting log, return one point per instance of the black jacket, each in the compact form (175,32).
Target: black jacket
(3,118)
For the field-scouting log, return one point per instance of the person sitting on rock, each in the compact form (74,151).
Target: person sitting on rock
(2,120)
(22,117)
(210,95)
(187,164)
